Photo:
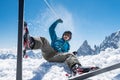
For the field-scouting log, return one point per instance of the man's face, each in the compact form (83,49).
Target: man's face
(66,37)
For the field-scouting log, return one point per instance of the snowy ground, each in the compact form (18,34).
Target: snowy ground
(39,69)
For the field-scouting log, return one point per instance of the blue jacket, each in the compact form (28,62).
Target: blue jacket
(59,44)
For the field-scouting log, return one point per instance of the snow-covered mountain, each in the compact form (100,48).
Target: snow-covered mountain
(40,69)
(12,54)
(34,54)
(112,41)
(85,49)
(7,54)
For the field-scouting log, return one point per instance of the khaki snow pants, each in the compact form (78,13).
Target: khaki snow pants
(51,55)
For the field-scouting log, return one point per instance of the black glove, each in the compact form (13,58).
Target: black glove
(60,21)
(75,52)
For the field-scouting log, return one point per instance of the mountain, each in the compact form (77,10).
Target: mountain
(7,54)
(85,49)
(34,54)
(112,41)
(12,54)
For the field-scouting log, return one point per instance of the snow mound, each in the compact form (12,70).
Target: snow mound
(40,69)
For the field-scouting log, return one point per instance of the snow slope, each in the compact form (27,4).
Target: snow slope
(39,69)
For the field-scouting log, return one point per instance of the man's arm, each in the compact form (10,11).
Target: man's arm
(52,32)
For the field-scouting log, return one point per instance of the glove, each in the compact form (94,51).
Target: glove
(75,52)
(60,21)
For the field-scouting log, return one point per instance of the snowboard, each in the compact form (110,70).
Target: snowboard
(95,72)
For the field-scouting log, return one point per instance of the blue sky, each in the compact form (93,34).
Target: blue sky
(90,20)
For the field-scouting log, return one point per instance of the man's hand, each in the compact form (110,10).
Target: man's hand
(75,52)
(60,21)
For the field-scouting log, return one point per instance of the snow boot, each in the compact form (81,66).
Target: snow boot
(78,69)
(28,45)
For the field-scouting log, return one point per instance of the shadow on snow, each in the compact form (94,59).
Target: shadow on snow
(45,67)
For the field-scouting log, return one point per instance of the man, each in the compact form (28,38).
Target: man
(58,50)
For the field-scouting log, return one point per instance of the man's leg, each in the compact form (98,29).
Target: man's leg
(68,58)
(43,44)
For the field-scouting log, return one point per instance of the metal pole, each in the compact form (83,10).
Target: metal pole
(20,40)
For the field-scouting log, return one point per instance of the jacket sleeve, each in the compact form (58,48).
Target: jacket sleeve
(52,32)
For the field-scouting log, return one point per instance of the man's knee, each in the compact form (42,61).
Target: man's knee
(71,60)
(69,55)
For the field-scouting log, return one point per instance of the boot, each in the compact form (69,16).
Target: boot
(28,45)
(78,69)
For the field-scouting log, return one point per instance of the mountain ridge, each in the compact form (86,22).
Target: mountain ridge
(111,41)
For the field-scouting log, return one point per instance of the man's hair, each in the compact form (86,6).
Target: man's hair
(67,32)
